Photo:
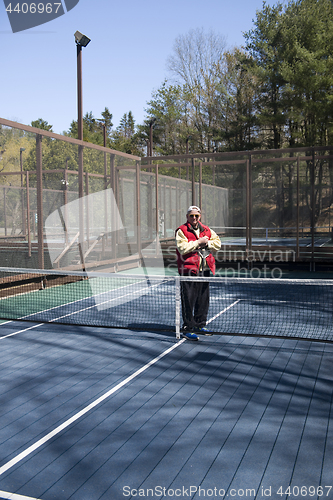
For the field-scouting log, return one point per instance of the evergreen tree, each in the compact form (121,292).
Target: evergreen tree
(125,138)
(265,46)
(308,70)
(290,54)
(42,124)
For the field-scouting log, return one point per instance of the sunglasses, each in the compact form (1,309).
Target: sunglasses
(194,215)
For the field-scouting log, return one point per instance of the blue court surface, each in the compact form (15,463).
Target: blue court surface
(96,413)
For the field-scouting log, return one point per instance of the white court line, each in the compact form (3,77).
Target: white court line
(85,410)
(90,307)
(224,310)
(131,294)
(13,496)
(69,314)
(73,302)
(20,331)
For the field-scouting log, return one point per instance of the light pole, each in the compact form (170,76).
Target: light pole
(187,152)
(1,153)
(81,41)
(21,164)
(151,124)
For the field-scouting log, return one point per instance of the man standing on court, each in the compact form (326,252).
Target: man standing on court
(195,242)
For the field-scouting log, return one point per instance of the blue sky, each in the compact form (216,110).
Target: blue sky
(124,62)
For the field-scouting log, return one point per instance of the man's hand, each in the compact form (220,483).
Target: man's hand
(203,241)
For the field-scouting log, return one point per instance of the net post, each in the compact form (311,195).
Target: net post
(178,300)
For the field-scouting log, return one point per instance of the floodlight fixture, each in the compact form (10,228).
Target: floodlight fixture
(80,39)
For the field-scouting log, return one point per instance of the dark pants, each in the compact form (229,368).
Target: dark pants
(195,303)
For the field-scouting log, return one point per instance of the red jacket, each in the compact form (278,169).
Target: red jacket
(189,263)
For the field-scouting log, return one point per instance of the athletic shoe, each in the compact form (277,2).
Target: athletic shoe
(203,330)
(190,336)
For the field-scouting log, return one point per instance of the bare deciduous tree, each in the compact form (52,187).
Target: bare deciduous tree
(196,56)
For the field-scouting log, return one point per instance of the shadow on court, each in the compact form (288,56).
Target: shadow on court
(225,414)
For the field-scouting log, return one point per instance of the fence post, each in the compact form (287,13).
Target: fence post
(5,209)
(200,187)
(65,203)
(40,222)
(297,212)
(113,225)
(193,181)
(157,202)
(313,207)
(81,205)
(138,206)
(87,208)
(28,214)
(248,205)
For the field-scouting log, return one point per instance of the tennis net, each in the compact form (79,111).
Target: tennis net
(245,306)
